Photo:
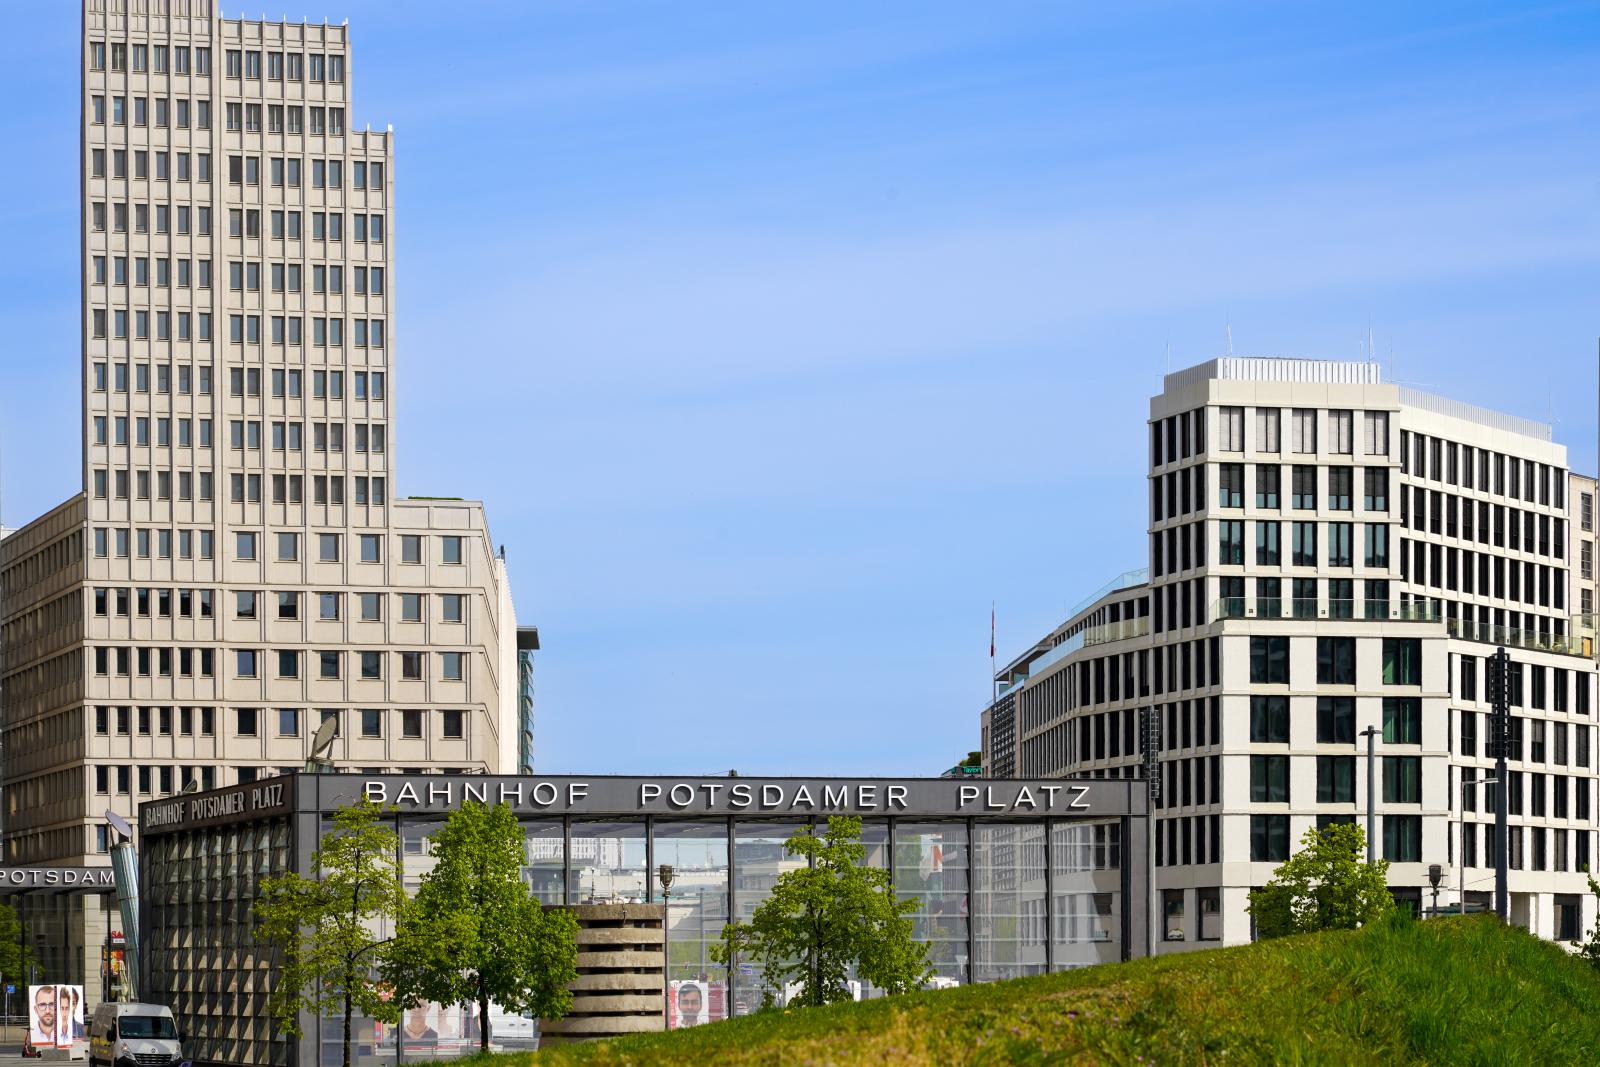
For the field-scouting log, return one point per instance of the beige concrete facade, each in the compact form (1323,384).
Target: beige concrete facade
(237,566)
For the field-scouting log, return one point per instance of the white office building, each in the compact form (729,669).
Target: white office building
(1328,553)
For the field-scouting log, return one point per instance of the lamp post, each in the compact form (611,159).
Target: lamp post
(664,875)
(1461,852)
(1435,876)
(1371,734)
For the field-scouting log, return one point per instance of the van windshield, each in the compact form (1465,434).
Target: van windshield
(155,1026)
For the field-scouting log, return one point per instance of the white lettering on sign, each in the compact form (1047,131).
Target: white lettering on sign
(694,795)
(1022,797)
(76,877)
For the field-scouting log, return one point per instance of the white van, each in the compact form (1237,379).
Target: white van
(133,1035)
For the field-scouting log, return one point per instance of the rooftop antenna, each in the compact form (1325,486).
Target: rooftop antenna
(1230,337)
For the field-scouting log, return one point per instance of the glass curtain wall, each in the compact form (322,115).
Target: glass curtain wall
(930,865)
(205,960)
(1008,878)
(545,859)
(697,988)
(608,862)
(758,858)
(1086,872)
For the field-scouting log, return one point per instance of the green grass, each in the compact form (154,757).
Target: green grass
(1448,991)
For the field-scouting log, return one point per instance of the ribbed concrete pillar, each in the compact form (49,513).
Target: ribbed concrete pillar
(620,969)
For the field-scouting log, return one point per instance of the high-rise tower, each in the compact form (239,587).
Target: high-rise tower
(238,567)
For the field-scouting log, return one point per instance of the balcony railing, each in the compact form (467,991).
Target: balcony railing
(1530,639)
(1116,631)
(1238,607)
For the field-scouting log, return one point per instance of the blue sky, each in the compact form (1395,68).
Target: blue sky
(782,338)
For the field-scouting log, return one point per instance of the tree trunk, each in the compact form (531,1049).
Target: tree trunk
(483,1015)
(348,1011)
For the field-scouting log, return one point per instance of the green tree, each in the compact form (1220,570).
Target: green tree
(15,956)
(328,929)
(1591,948)
(476,933)
(1327,885)
(827,915)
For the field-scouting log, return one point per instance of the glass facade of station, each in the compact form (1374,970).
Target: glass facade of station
(1002,895)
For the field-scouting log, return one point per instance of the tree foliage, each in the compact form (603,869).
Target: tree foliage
(1590,950)
(1327,885)
(329,930)
(476,933)
(15,955)
(828,915)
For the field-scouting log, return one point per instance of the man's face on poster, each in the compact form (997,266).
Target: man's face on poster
(690,1001)
(44,1006)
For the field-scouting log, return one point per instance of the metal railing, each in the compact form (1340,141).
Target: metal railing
(1534,640)
(1238,607)
(1116,631)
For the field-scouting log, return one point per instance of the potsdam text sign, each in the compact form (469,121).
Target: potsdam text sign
(915,797)
(16,879)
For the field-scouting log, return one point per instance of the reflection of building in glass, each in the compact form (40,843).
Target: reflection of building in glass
(1010,882)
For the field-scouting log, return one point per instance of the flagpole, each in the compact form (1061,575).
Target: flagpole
(994,681)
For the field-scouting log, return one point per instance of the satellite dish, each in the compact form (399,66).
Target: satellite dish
(193,786)
(324,738)
(120,825)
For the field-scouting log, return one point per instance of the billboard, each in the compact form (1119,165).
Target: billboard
(55,1015)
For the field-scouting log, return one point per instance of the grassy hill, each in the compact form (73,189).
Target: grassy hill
(1449,991)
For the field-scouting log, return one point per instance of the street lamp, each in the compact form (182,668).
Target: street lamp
(1435,876)
(1461,852)
(1371,734)
(664,876)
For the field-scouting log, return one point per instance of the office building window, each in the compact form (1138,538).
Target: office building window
(1269,660)
(1269,779)
(1402,720)
(1269,838)
(1269,719)
(1336,661)
(1402,838)
(1402,661)
(1336,779)
(1402,780)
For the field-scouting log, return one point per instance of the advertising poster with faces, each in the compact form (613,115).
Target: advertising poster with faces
(55,1015)
(695,1003)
